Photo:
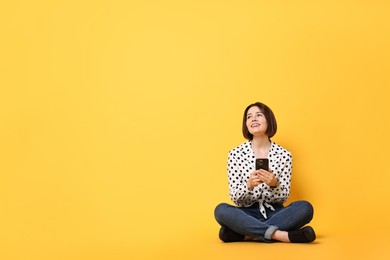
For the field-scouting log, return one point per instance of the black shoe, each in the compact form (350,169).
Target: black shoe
(228,235)
(303,235)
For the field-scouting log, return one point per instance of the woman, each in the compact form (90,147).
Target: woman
(259,194)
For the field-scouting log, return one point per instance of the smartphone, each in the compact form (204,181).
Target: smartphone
(262,163)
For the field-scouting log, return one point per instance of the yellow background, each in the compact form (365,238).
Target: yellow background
(117,116)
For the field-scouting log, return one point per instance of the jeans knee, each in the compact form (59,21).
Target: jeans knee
(307,208)
(219,211)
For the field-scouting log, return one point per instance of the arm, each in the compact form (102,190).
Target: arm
(238,189)
(282,191)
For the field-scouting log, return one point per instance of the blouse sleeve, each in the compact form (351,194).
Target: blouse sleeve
(281,193)
(238,190)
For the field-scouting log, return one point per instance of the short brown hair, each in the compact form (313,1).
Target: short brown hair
(269,116)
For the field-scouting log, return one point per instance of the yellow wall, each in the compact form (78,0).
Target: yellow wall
(116,117)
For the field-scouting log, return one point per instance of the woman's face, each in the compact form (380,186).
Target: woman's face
(255,121)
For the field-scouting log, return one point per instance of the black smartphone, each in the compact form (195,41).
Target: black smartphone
(262,163)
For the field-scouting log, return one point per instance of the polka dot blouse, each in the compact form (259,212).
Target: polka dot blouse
(241,163)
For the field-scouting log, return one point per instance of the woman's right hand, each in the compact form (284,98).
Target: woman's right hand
(253,180)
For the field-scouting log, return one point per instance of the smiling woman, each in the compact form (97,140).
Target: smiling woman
(259,194)
(265,119)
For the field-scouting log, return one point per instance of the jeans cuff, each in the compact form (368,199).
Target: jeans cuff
(270,231)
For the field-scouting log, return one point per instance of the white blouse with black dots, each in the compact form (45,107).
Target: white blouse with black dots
(241,163)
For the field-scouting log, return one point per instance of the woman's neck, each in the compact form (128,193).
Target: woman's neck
(261,146)
(262,142)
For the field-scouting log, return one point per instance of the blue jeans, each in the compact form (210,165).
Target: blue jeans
(250,222)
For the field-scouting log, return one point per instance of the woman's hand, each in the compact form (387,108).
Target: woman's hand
(259,176)
(253,180)
(267,177)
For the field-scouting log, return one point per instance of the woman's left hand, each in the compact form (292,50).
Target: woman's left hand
(267,177)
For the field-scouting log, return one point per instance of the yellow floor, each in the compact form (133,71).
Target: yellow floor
(208,246)
(326,247)
(202,245)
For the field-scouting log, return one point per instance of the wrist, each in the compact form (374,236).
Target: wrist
(249,186)
(276,184)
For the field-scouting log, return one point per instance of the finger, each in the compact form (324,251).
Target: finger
(260,173)
(265,171)
(254,179)
(258,182)
(269,175)
(264,175)
(256,172)
(263,179)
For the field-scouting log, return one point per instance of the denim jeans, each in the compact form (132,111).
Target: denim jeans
(250,222)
